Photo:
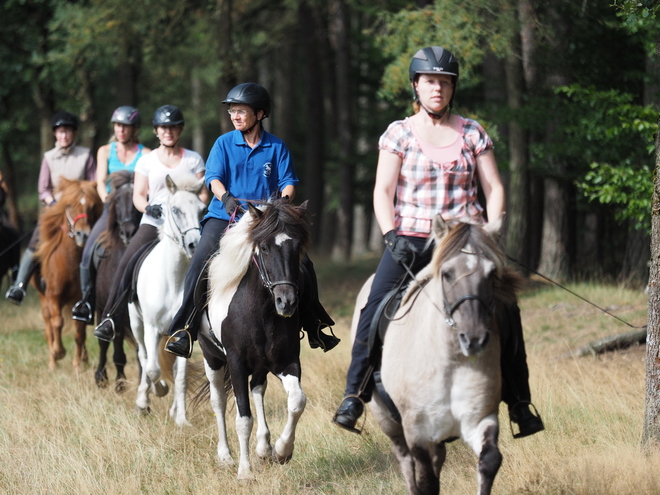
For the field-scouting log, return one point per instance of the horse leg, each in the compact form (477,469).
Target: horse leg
(45,314)
(244,421)
(142,398)
(54,322)
(296,405)
(426,480)
(219,405)
(151,340)
(258,385)
(405,460)
(484,444)
(178,409)
(80,357)
(119,359)
(101,375)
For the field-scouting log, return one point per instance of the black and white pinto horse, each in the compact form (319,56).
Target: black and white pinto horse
(441,357)
(254,325)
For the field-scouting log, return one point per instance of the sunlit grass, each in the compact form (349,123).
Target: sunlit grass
(60,434)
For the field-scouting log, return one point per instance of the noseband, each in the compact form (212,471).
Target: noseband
(265,279)
(72,222)
(450,309)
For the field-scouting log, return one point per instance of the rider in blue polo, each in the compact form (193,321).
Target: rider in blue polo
(246,164)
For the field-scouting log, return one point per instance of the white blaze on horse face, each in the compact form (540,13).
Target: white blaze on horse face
(281,238)
(83,201)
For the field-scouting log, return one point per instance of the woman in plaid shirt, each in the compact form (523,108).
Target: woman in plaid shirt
(433,162)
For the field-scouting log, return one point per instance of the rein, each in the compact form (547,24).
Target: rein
(265,279)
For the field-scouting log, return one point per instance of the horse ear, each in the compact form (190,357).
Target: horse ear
(171,186)
(254,211)
(303,206)
(493,227)
(440,227)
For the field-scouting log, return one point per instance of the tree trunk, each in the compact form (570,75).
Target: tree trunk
(197,107)
(651,434)
(518,198)
(9,176)
(227,79)
(342,247)
(315,143)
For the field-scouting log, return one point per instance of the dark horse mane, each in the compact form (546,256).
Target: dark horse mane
(110,238)
(279,215)
(53,226)
(507,281)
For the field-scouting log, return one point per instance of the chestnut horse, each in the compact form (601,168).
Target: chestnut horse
(63,231)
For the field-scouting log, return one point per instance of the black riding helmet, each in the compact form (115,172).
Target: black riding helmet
(252,94)
(434,60)
(64,118)
(127,115)
(168,115)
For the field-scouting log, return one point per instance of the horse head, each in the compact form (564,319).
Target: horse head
(183,212)
(123,216)
(80,206)
(280,235)
(469,265)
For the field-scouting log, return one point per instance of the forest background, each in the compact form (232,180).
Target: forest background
(569,92)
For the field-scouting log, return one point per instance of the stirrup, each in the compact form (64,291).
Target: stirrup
(82,311)
(15,294)
(99,333)
(171,345)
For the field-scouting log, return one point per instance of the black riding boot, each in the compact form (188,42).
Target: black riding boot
(359,388)
(313,316)
(83,310)
(181,341)
(16,293)
(515,374)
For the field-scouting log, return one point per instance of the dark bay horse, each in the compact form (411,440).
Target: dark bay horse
(441,357)
(254,324)
(123,221)
(64,228)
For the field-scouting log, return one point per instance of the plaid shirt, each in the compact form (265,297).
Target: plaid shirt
(426,187)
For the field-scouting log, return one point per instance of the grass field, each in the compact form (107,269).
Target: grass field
(60,434)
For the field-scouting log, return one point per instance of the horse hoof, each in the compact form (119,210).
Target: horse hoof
(245,475)
(160,388)
(120,386)
(281,459)
(143,411)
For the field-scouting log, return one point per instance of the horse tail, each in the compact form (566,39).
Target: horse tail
(166,360)
(202,387)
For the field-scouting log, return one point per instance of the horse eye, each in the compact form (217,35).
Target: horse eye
(264,248)
(176,211)
(447,276)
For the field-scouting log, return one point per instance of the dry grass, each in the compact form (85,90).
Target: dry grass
(59,434)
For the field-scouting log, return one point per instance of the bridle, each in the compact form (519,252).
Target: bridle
(265,279)
(181,241)
(449,309)
(72,222)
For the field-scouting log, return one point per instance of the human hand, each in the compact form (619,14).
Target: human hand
(154,211)
(402,250)
(231,204)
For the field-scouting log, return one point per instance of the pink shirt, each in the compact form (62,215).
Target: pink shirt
(444,183)
(74,163)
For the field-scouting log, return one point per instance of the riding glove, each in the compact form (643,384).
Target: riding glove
(154,211)
(402,250)
(231,204)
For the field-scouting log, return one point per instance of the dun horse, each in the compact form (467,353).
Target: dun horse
(441,358)
(159,294)
(123,222)
(64,229)
(255,327)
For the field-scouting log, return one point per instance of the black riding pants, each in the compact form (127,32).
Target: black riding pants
(212,231)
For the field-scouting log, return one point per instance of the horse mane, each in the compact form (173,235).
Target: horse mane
(53,218)
(110,238)
(232,261)
(508,281)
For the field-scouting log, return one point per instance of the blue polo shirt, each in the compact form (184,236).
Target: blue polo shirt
(248,173)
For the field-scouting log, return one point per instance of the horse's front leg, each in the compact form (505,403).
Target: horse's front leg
(101,374)
(119,360)
(80,357)
(52,314)
(178,409)
(137,327)
(484,443)
(258,384)
(244,421)
(295,405)
(219,406)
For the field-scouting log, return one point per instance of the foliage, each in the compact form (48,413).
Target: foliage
(616,137)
